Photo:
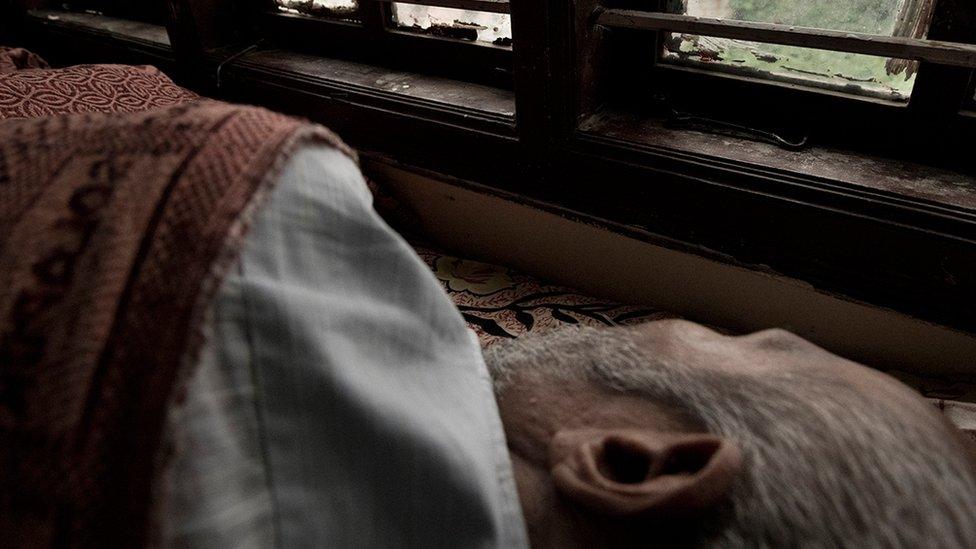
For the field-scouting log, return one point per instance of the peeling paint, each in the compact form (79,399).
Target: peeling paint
(827,70)
(889,79)
(467,25)
(334,9)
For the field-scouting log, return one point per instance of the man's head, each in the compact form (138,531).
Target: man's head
(672,434)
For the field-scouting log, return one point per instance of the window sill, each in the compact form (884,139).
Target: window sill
(112,27)
(886,232)
(68,37)
(436,123)
(913,183)
(451,101)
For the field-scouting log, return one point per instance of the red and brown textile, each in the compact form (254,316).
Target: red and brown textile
(114,233)
(87,88)
(15,59)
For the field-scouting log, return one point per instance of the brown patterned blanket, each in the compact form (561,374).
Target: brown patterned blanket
(85,88)
(114,231)
(15,59)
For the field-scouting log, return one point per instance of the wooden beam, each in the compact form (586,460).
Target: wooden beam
(493,6)
(933,51)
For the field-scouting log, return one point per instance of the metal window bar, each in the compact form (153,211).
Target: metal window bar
(933,51)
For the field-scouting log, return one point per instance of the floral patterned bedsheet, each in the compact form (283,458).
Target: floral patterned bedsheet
(499,303)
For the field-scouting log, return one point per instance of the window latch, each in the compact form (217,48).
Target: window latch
(235,57)
(690,121)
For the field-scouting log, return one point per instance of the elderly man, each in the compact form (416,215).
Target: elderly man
(335,398)
(370,421)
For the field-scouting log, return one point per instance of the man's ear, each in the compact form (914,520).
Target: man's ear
(630,473)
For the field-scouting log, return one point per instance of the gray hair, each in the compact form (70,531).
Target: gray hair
(824,466)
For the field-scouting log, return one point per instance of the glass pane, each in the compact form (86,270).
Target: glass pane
(867,16)
(474,26)
(342,9)
(891,79)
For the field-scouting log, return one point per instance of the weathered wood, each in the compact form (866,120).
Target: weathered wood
(540,29)
(135,31)
(392,48)
(452,98)
(941,90)
(493,6)
(901,47)
(913,21)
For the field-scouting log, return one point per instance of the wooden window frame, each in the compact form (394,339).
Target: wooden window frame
(938,52)
(375,40)
(829,117)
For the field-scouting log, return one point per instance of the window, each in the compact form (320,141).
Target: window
(875,76)
(471,25)
(449,22)
(340,9)
(466,39)
(457,23)
(474,26)
(869,74)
